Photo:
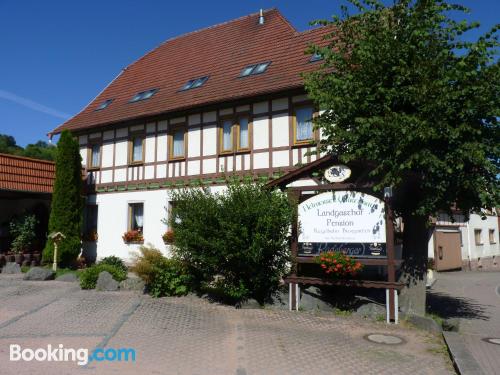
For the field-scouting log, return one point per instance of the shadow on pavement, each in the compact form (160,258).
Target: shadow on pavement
(447,306)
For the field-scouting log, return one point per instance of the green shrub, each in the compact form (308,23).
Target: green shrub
(147,262)
(114,261)
(23,231)
(89,276)
(241,235)
(170,279)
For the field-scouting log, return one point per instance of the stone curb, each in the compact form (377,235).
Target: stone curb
(464,362)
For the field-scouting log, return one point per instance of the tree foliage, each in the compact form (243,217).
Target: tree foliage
(240,235)
(39,150)
(402,89)
(67,201)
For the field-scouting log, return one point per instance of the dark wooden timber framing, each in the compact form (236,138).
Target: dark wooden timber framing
(173,166)
(295,196)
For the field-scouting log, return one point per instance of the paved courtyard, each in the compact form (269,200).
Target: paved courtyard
(474,299)
(191,336)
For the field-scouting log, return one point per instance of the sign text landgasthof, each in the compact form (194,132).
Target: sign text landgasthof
(342,218)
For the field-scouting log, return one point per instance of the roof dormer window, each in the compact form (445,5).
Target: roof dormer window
(143,95)
(316,57)
(104,104)
(255,69)
(194,83)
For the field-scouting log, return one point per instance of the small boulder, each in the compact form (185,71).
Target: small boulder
(249,304)
(11,268)
(69,277)
(133,283)
(106,282)
(370,310)
(451,324)
(39,274)
(425,323)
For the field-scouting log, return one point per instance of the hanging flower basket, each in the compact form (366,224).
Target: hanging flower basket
(168,237)
(133,236)
(337,265)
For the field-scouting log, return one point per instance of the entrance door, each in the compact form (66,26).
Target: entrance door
(447,253)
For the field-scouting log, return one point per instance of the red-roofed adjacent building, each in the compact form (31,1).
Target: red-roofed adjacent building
(225,100)
(25,188)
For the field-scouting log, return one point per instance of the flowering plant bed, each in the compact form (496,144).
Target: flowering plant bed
(133,236)
(168,237)
(338,265)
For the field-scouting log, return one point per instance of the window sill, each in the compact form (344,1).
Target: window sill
(308,143)
(135,163)
(134,242)
(93,169)
(179,158)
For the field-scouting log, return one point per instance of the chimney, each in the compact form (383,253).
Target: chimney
(261,18)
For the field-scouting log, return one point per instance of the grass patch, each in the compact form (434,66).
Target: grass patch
(340,312)
(436,318)
(25,269)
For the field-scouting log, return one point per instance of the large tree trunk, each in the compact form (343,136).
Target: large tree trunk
(414,268)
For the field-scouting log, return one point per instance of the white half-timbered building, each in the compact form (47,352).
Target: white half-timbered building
(227,100)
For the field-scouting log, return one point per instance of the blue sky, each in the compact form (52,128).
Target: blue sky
(56,56)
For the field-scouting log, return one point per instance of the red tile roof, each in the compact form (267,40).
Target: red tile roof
(221,52)
(26,174)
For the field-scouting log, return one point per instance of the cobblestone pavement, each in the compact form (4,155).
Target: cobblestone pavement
(473,298)
(192,336)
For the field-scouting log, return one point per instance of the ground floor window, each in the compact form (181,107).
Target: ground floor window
(492,236)
(136,216)
(477,237)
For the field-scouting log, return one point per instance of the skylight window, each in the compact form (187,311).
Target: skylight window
(316,57)
(104,104)
(254,69)
(143,95)
(194,83)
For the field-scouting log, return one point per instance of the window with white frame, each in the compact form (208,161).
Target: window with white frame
(95,156)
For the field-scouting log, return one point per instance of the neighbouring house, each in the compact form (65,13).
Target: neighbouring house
(228,100)
(25,188)
(470,245)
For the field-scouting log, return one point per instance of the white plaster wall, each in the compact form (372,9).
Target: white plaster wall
(209,140)
(113,220)
(121,153)
(149,150)
(83,155)
(194,139)
(261,160)
(281,136)
(487,249)
(260,133)
(161,152)
(107,155)
(281,158)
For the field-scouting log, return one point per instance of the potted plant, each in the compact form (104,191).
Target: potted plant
(133,236)
(336,264)
(168,237)
(23,231)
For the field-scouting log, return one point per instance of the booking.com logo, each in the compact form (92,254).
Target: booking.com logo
(61,354)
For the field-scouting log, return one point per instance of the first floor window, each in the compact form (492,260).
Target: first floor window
(477,237)
(95,156)
(243,138)
(178,143)
(137,144)
(303,124)
(227,135)
(136,216)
